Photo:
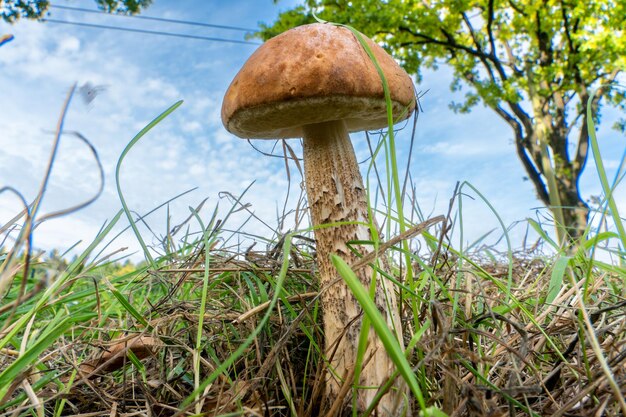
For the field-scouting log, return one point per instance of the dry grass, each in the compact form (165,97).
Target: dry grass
(207,329)
(475,359)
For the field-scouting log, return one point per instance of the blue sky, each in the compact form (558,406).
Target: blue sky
(141,75)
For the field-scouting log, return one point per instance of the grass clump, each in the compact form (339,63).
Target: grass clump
(211,328)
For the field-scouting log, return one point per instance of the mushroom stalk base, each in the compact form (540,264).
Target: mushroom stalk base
(336,194)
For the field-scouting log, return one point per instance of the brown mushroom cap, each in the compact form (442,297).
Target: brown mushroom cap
(312,74)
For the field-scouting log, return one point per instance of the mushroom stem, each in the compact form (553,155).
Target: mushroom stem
(336,194)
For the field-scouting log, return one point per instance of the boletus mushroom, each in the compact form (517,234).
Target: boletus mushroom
(316,82)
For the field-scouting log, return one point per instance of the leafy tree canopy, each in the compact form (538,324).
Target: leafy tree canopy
(12,10)
(534,62)
(499,46)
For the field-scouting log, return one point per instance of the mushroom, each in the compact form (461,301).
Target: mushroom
(316,82)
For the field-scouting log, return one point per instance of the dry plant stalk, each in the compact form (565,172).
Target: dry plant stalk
(114,357)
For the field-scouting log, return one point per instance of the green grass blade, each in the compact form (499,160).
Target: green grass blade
(31,355)
(597,157)
(203,300)
(128,147)
(41,302)
(221,368)
(556,278)
(509,247)
(380,327)
(127,306)
(542,233)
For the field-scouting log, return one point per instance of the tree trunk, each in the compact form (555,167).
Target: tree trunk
(575,210)
(568,209)
(336,194)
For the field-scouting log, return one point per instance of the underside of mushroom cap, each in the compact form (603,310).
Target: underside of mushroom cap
(312,74)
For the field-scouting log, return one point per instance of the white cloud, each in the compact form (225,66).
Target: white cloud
(68,45)
(612,163)
(182,152)
(192,126)
(144,75)
(464,148)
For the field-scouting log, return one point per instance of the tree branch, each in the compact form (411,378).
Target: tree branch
(449,42)
(568,35)
(523,131)
(483,55)
(533,172)
(490,19)
(582,148)
(522,148)
(517,8)
(511,57)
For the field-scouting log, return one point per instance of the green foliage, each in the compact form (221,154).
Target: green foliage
(565,45)
(533,62)
(12,10)
(123,6)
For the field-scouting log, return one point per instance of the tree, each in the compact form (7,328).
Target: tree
(533,62)
(12,10)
